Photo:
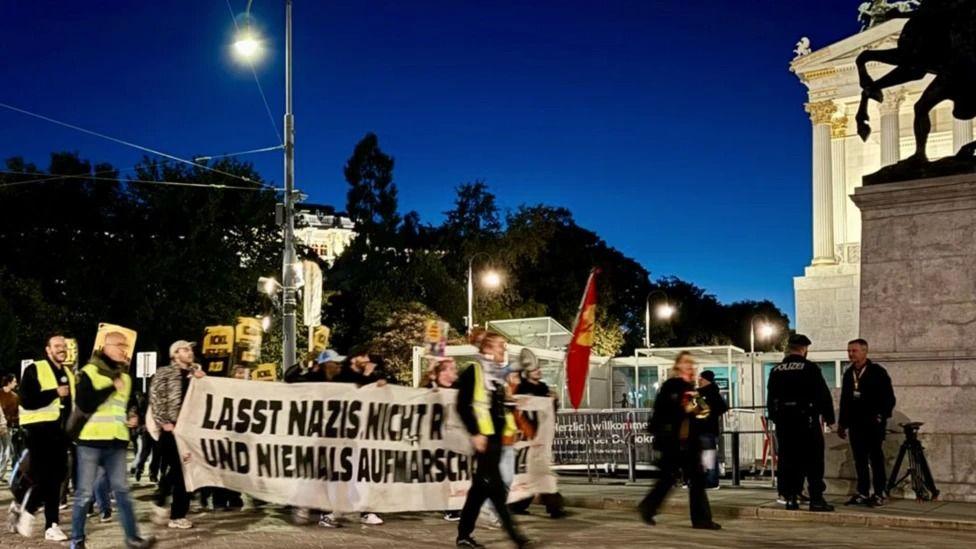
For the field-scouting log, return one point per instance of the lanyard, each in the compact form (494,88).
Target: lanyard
(857,376)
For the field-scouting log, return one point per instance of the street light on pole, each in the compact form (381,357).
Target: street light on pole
(490,279)
(248,47)
(663,311)
(766,330)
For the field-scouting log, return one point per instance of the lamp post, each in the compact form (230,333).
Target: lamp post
(247,46)
(664,311)
(765,331)
(490,279)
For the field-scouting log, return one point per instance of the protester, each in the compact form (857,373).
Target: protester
(363,369)
(145,445)
(673,425)
(798,398)
(166,396)
(481,406)
(709,428)
(102,394)
(532,384)
(442,374)
(46,394)
(866,402)
(9,401)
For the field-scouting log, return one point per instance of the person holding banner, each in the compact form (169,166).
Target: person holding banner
(533,385)
(481,406)
(46,393)
(677,409)
(102,397)
(166,397)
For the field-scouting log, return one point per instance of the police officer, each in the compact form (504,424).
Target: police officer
(798,398)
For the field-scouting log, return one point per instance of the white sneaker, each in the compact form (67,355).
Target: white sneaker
(180,524)
(54,533)
(371,519)
(25,524)
(329,520)
(159,515)
(781,500)
(13,515)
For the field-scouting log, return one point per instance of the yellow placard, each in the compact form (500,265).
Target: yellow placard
(218,341)
(320,339)
(248,339)
(105,328)
(265,372)
(72,359)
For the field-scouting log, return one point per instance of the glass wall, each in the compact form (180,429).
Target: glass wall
(633,387)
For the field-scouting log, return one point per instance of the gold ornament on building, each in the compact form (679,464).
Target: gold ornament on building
(821,112)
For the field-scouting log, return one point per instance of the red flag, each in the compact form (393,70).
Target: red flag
(578,355)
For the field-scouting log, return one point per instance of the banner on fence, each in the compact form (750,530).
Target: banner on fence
(341,448)
(601,436)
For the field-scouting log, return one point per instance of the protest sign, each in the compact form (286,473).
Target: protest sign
(217,350)
(265,372)
(104,329)
(72,359)
(341,448)
(247,340)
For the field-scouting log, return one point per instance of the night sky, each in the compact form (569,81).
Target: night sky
(671,128)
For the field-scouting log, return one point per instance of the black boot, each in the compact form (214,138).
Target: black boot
(820,506)
(792,504)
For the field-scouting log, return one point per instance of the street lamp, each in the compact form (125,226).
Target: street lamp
(490,279)
(766,330)
(248,47)
(663,311)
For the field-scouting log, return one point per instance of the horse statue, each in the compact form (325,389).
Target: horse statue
(939,38)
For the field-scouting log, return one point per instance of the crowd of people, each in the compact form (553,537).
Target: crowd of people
(77,427)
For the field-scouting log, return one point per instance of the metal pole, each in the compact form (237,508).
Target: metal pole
(470,296)
(647,322)
(736,473)
(289,305)
(752,359)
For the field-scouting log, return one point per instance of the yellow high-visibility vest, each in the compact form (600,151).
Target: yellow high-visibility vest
(482,407)
(52,410)
(109,420)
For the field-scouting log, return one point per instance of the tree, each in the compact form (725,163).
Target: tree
(402,331)
(372,197)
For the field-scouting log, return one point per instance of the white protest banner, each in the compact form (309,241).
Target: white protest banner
(340,448)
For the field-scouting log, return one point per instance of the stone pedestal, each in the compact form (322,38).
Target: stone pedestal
(827,305)
(918,313)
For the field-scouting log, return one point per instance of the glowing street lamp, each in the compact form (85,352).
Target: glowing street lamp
(766,331)
(490,279)
(663,311)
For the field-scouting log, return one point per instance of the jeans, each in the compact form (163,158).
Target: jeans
(113,460)
(103,495)
(506,468)
(6,452)
(709,445)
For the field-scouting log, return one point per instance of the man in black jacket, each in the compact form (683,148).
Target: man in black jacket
(673,425)
(481,407)
(46,394)
(709,428)
(866,403)
(798,397)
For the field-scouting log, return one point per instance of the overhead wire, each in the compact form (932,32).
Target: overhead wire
(128,143)
(52,177)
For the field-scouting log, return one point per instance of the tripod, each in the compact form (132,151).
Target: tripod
(918,468)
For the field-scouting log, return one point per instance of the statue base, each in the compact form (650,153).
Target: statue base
(918,314)
(915,170)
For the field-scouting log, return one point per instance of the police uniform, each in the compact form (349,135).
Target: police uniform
(798,397)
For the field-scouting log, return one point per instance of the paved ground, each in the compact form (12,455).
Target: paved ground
(589,528)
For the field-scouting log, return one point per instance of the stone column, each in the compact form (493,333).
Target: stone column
(962,133)
(821,113)
(890,129)
(838,153)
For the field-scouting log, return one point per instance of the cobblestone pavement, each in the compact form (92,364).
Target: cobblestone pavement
(587,528)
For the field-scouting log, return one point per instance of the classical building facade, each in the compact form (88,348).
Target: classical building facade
(323,230)
(827,295)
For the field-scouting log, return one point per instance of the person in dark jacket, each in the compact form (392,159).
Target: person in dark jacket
(866,402)
(709,429)
(673,425)
(798,397)
(481,407)
(46,397)
(532,384)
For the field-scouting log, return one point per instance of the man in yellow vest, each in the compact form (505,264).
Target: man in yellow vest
(46,392)
(103,391)
(481,406)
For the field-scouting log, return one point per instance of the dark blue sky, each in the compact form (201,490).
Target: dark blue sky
(671,128)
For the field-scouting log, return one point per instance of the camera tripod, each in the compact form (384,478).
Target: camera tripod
(918,468)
